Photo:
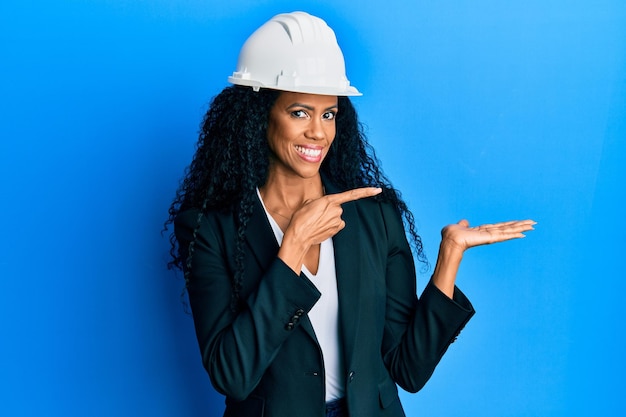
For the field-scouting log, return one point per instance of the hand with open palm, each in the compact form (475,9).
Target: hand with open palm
(457,238)
(464,237)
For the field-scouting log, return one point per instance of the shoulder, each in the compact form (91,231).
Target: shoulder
(370,210)
(193,223)
(379,210)
(186,219)
(190,219)
(379,222)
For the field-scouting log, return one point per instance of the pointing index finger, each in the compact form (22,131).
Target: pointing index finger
(354,194)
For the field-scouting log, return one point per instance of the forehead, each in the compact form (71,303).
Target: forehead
(315,101)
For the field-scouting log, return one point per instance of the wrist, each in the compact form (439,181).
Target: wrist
(292,252)
(450,250)
(448,262)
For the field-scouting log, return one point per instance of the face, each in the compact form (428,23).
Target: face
(300,131)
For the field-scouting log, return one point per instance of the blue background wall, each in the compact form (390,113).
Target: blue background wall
(482,109)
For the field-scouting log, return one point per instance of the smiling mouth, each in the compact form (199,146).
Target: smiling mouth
(308,152)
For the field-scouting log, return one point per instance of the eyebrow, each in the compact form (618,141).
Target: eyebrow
(309,107)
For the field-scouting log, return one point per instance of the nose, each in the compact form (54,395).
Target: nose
(316,129)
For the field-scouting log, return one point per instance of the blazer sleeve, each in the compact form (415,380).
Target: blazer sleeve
(417,331)
(237,347)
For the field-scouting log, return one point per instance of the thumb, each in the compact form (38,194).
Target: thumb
(463,223)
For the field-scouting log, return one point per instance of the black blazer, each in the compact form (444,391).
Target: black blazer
(265,358)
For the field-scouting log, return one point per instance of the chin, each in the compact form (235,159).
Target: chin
(309,174)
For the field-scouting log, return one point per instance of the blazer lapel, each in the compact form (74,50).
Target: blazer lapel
(260,237)
(348,267)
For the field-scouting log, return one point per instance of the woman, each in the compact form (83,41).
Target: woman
(292,241)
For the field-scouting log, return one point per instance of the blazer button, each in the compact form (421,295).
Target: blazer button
(300,312)
(350,376)
(289,326)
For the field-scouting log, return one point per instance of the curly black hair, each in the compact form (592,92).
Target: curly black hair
(232,159)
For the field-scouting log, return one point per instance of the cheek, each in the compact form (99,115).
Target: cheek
(279,132)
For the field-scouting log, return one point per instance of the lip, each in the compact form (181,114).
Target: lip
(309,153)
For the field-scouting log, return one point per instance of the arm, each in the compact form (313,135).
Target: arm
(457,238)
(418,332)
(316,221)
(238,347)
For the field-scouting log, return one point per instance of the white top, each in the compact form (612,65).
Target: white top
(324,315)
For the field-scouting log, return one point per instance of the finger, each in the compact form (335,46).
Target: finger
(510,233)
(463,223)
(504,237)
(517,226)
(355,194)
(510,225)
(516,222)
(329,231)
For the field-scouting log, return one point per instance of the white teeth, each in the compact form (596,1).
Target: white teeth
(309,152)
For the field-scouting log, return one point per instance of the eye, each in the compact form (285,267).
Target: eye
(299,114)
(329,115)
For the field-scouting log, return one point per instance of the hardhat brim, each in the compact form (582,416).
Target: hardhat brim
(350,91)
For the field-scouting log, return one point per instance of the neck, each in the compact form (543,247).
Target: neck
(286,194)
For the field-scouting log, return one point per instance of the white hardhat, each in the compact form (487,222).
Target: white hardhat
(294,52)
